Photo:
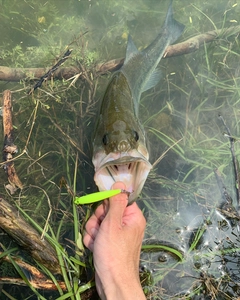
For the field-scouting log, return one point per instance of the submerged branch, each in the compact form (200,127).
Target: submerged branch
(50,72)
(188,46)
(227,208)
(17,74)
(195,42)
(9,149)
(234,160)
(43,284)
(38,280)
(27,237)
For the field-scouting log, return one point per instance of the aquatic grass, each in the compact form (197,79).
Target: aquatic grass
(7,252)
(170,249)
(8,295)
(64,273)
(168,141)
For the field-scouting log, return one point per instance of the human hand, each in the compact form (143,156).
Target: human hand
(114,234)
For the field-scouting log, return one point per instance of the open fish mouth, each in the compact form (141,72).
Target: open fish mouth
(133,171)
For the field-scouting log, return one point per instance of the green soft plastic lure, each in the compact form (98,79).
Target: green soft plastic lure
(98,196)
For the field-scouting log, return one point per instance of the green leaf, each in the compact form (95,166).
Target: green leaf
(163,247)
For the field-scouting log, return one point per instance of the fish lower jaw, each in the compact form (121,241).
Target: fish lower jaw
(131,171)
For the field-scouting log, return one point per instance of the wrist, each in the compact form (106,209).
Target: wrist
(124,288)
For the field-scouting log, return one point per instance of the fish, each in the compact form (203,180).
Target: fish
(119,145)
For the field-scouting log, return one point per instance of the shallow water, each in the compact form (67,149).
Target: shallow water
(181,198)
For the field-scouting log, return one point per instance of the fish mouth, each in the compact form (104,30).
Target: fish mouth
(131,169)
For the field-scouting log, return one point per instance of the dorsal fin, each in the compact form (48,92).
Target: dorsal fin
(131,49)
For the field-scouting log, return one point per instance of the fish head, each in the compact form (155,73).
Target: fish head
(120,154)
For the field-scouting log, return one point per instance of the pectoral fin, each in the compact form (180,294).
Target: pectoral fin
(153,80)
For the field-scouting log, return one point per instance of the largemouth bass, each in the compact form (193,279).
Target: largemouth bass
(119,146)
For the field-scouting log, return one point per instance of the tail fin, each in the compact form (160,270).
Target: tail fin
(174,27)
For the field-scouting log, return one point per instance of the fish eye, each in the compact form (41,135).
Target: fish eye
(105,139)
(136,136)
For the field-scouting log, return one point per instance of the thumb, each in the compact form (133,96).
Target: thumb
(118,203)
